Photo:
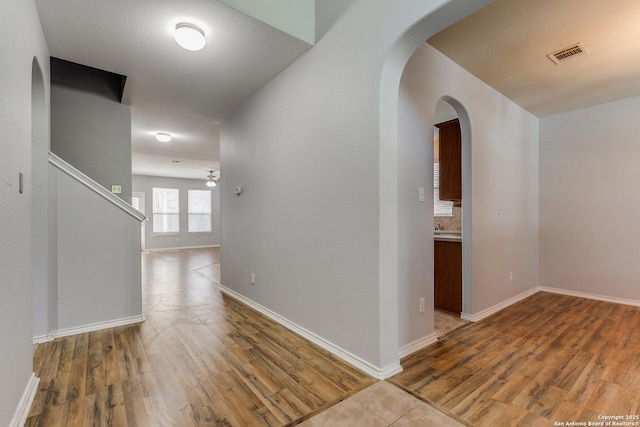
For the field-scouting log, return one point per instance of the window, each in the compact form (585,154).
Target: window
(440,207)
(137,201)
(166,210)
(199,211)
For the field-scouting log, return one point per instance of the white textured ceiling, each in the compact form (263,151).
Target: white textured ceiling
(505,45)
(171,89)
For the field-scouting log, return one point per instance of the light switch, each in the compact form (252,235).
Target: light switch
(116,189)
(421,194)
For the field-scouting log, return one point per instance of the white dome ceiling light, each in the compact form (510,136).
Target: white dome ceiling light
(189,36)
(163,136)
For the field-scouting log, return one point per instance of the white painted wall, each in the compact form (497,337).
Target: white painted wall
(589,203)
(145,184)
(93,133)
(503,185)
(316,216)
(98,254)
(21,39)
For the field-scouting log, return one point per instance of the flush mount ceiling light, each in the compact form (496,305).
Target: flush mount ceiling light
(163,136)
(211,180)
(189,36)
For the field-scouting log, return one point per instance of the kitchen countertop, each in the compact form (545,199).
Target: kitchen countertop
(447,236)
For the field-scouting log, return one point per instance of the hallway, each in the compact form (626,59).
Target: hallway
(199,359)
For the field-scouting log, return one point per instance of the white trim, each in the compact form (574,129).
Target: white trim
(363,365)
(416,345)
(95,186)
(504,304)
(589,296)
(22,411)
(181,247)
(92,327)
(39,339)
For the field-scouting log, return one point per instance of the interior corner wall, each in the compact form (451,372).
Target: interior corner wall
(306,149)
(589,209)
(93,133)
(21,39)
(504,182)
(327,13)
(184,239)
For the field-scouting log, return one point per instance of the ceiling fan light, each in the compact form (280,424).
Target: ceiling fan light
(163,136)
(211,180)
(189,37)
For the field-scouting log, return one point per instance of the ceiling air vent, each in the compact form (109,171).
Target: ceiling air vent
(568,53)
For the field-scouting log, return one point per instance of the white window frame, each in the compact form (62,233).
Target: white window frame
(441,208)
(161,211)
(189,212)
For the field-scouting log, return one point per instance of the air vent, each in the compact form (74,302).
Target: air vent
(568,53)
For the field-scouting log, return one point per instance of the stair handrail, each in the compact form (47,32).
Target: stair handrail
(95,186)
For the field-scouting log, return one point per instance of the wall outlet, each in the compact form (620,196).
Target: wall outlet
(253,279)
(116,189)
(421,305)
(511,276)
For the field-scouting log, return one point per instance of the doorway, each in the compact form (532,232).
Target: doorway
(447,219)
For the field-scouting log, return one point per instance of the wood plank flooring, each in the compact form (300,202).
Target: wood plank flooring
(549,358)
(200,359)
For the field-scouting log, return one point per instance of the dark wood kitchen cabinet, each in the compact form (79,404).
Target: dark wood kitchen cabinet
(450,154)
(447,287)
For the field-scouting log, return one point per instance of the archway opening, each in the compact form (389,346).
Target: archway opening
(44,295)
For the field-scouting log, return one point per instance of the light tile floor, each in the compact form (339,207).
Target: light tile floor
(381,405)
(444,322)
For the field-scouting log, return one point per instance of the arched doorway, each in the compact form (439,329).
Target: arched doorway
(413,329)
(44,295)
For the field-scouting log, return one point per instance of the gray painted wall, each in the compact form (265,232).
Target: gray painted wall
(21,40)
(93,133)
(145,184)
(317,219)
(500,189)
(98,254)
(589,208)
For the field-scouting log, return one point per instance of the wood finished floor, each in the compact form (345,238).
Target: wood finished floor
(544,359)
(199,359)
(203,359)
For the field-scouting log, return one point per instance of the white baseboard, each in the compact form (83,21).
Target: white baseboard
(20,416)
(491,310)
(589,296)
(363,365)
(416,345)
(504,304)
(87,328)
(180,247)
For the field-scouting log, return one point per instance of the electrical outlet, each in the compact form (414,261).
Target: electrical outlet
(511,276)
(253,279)
(421,305)
(116,189)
